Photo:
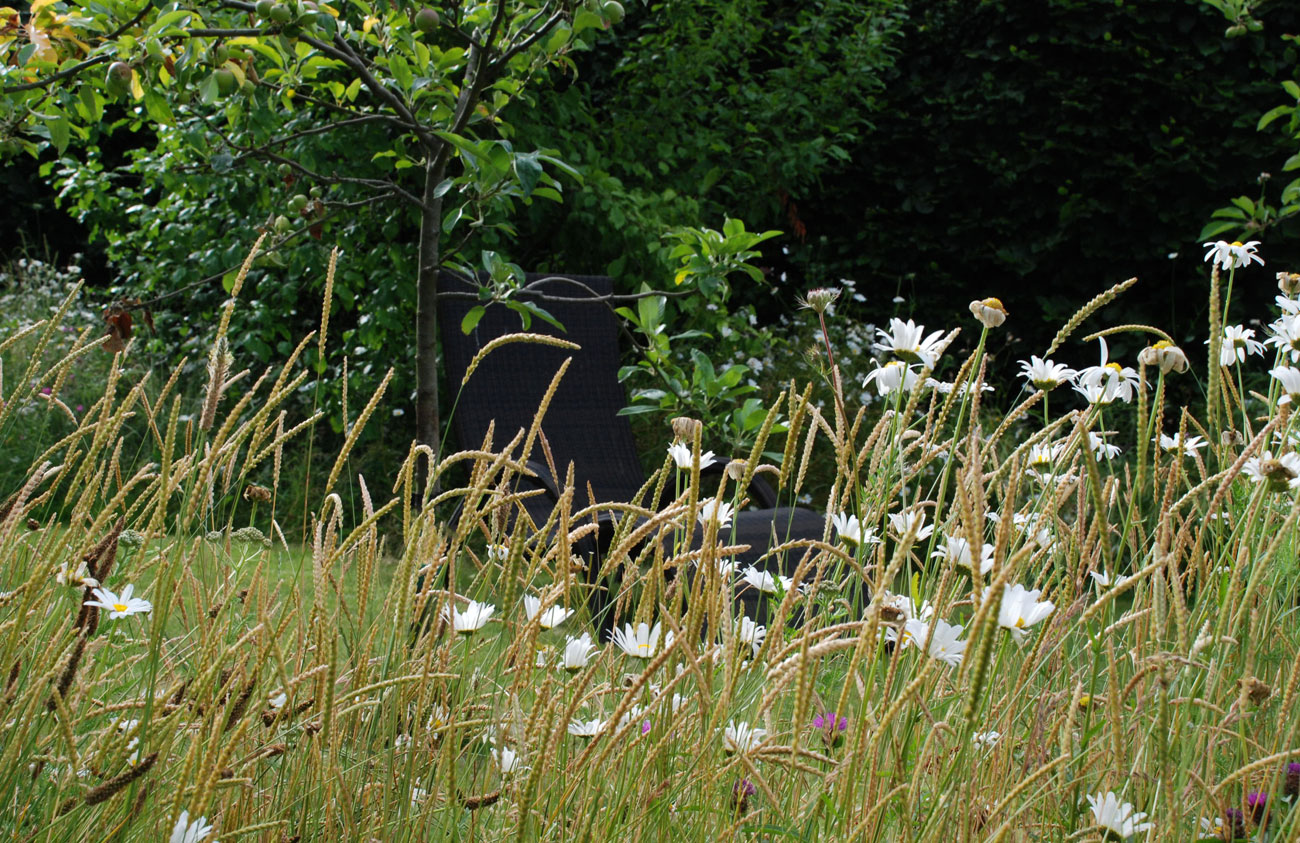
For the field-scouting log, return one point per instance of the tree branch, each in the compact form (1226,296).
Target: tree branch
(516,49)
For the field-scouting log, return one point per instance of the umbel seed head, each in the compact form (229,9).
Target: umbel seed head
(820,299)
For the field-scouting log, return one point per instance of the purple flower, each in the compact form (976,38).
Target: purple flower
(1234,822)
(47,390)
(1292,785)
(1257,804)
(645,727)
(831,726)
(740,793)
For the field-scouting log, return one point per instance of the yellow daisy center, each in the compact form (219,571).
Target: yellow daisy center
(1237,243)
(119,607)
(643,646)
(1020,623)
(1117,367)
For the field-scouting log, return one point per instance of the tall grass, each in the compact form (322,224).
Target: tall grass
(895,693)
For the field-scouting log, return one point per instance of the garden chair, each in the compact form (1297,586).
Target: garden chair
(581,426)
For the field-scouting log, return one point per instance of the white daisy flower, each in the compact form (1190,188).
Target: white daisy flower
(119,607)
(742,737)
(577,652)
(891,377)
(766,582)
(1231,255)
(1044,374)
(1280,473)
(75,575)
(682,456)
(1021,609)
(586,728)
(190,832)
(715,510)
(750,633)
(1117,817)
(1288,378)
(550,618)
(907,342)
(507,760)
(956,550)
(1107,381)
(901,522)
(472,619)
(1285,334)
(1164,355)
(1101,448)
(986,739)
(1237,343)
(1104,580)
(1190,445)
(641,641)
(944,643)
(850,531)
(904,606)
(989,312)
(276,701)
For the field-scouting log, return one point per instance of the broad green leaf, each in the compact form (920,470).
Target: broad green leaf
(528,171)
(471,319)
(59,132)
(1272,114)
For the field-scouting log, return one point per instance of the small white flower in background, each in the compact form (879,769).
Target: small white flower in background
(125,725)
(946,388)
(901,522)
(742,737)
(1115,816)
(907,342)
(682,456)
(956,550)
(1044,374)
(507,760)
(1289,283)
(542,657)
(1237,343)
(498,553)
(891,377)
(577,652)
(849,530)
(986,739)
(1021,609)
(766,582)
(641,641)
(1104,580)
(1287,377)
(418,795)
(586,728)
(552,617)
(726,566)
(944,645)
(190,832)
(1285,334)
(401,742)
(277,701)
(1231,255)
(1164,355)
(1190,445)
(472,619)
(715,510)
(119,607)
(1280,473)
(751,633)
(1101,447)
(989,312)
(75,575)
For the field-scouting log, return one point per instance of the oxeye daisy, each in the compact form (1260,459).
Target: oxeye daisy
(1231,255)
(1101,448)
(577,652)
(472,619)
(1020,609)
(907,342)
(986,739)
(850,531)
(122,606)
(76,575)
(766,582)
(956,550)
(989,312)
(1237,343)
(1285,335)
(891,377)
(715,510)
(507,760)
(1288,378)
(551,617)
(1280,473)
(742,737)
(683,457)
(640,641)
(1107,381)
(190,832)
(1164,355)
(1117,817)
(1044,374)
(586,728)
(944,644)
(1188,446)
(748,632)
(901,522)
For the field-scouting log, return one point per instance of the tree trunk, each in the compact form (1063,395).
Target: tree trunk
(428,421)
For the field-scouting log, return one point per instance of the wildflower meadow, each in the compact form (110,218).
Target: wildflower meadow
(1062,611)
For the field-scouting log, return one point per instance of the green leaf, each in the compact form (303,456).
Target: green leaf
(401,72)
(637,410)
(208,91)
(1292,88)
(1245,203)
(59,132)
(1292,163)
(528,171)
(1272,114)
(471,319)
(1216,228)
(155,105)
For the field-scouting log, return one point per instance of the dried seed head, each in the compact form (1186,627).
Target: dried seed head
(685,429)
(257,494)
(736,469)
(1288,282)
(1231,437)
(1254,690)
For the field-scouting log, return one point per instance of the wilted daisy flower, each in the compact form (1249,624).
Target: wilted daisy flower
(190,832)
(766,582)
(891,377)
(1237,343)
(1288,378)
(1281,474)
(907,342)
(552,617)
(989,312)
(1044,374)
(1190,445)
(472,619)
(1285,334)
(850,531)
(742,737)
(956,550)
(577,652)
(682,456)
(1231,255)
(901,522)
(641,641)
(715,510)
(1288,282)
(751,633)
(276,701)
(586,728)
(76,575)
(1115,816)
(119,607)
(1164,355)
(1021,609)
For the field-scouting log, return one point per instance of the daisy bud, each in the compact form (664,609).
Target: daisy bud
(1166,355)
(820,299)
(1288,282)
(989,312)
(684,429)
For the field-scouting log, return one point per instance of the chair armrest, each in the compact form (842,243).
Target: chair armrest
(544,478)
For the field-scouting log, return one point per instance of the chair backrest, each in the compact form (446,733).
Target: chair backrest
(581,424)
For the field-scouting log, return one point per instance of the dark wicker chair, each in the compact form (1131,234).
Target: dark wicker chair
(582,425)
